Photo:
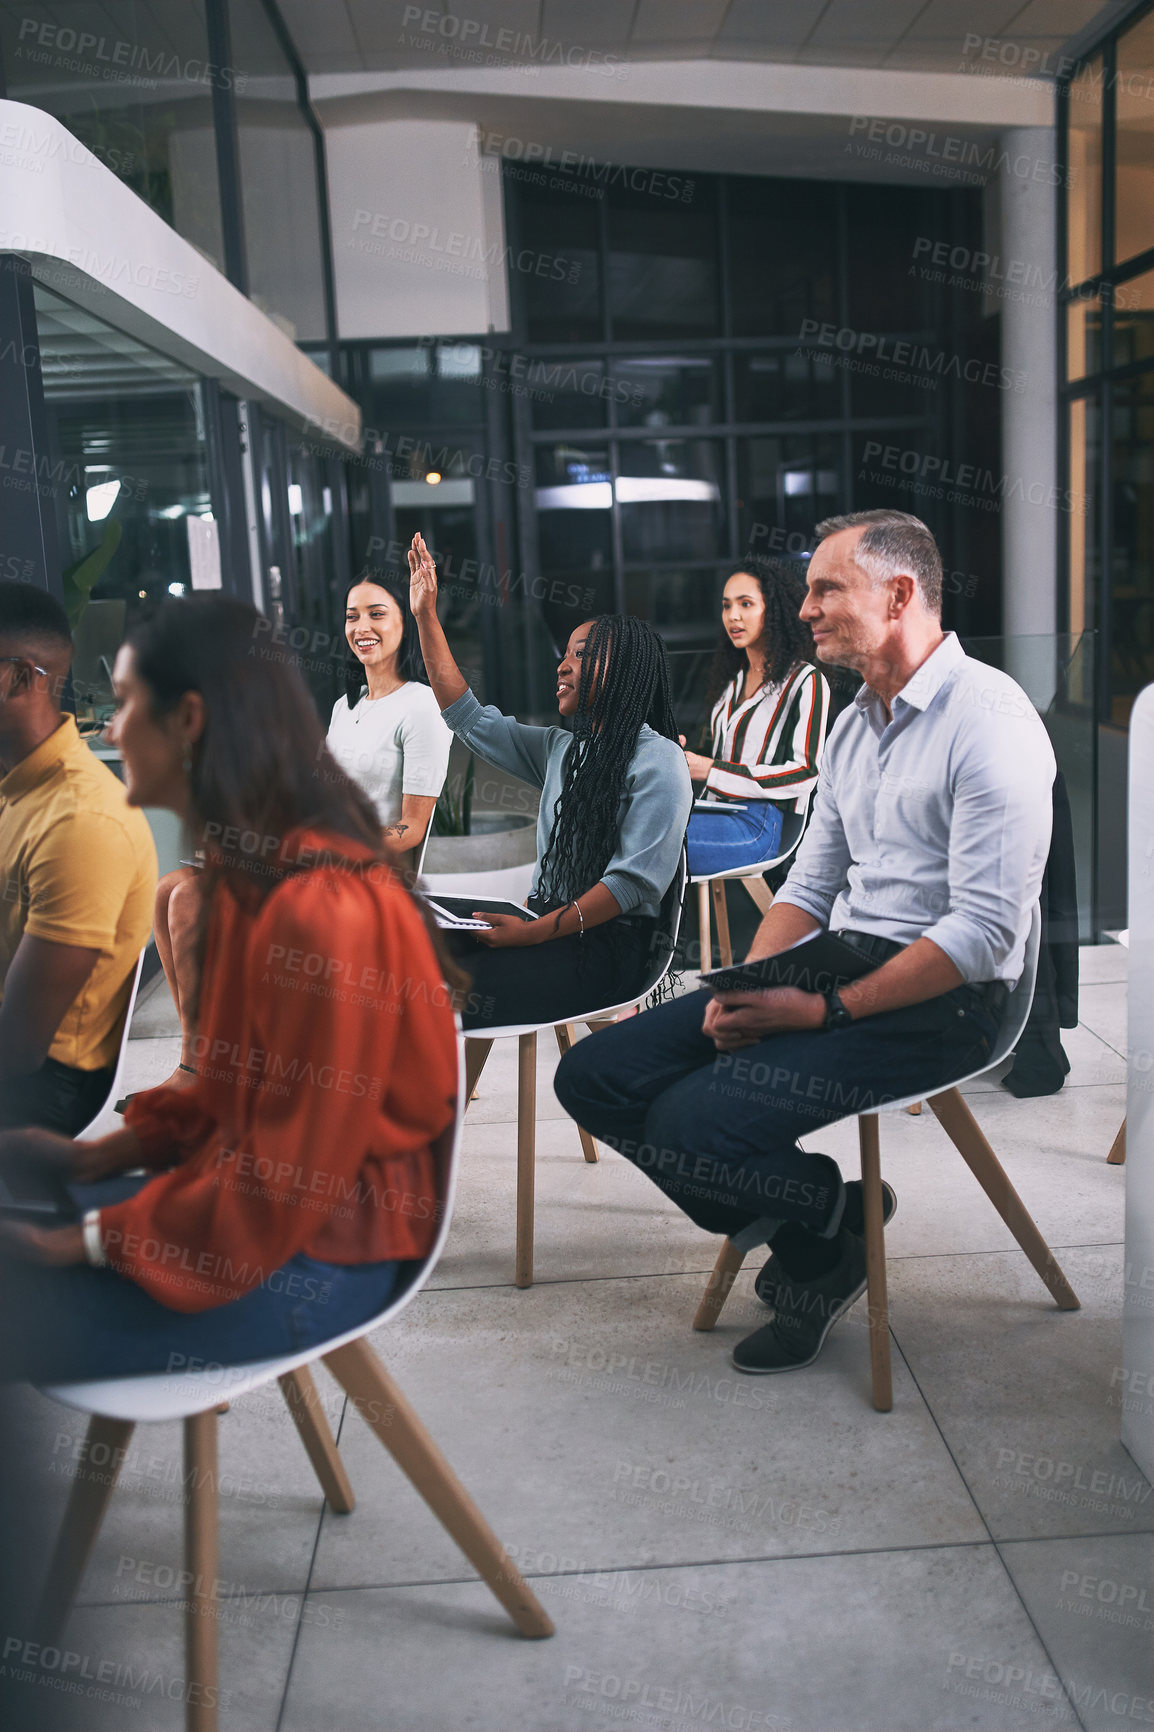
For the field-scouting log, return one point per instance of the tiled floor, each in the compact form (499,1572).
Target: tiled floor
(716,1551)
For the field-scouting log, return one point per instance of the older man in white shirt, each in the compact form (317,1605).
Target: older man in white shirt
(926,849)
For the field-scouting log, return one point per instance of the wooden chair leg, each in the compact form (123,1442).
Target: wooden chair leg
(962,1128)
(300,1393)
(476,1052)
(877,1298)
(201,1561)
(705,932)
(96,1476)
(566,1035)
(720,1285)
(721,915)
(1118,1147)
(914,1109)
(760,892)
(526,1148)
(384,1408)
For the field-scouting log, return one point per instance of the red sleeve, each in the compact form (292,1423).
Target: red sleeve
(167,1123)
(219,1224)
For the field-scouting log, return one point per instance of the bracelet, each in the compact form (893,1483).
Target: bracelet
(580,917)
(93,1244)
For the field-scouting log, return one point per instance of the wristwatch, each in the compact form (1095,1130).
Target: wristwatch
(836,1014)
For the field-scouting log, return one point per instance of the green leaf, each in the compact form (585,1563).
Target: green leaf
(81,579)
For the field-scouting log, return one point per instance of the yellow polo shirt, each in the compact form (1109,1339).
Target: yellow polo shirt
(77,866)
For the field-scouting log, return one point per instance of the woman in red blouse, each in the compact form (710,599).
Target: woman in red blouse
(296,1175)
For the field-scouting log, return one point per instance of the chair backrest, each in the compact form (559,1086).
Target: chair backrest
(668,928)
(175,1395)
(107,1119)
(1016,1013)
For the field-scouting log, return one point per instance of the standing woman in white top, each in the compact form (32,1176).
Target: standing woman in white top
(768,722)
(387,732)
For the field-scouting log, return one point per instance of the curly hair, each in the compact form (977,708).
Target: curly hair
(624,683)
(410,663)
(786,638)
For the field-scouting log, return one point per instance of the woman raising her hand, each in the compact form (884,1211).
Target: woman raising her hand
(615,801)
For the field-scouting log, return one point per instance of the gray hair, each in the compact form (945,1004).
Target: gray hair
(893,542)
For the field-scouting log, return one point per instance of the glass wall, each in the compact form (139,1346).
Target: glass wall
(134,85)
(713,376)
(128,470)
(278,179)
(1107,338)
(146,89)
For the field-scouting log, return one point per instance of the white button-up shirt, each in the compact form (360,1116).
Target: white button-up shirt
(935,824)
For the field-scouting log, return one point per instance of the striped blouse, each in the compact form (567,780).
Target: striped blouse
(770,746)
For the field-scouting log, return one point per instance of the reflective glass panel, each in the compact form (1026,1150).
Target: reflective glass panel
(278,176)
(1083,337)
(662,265)
(670,494)
(785,485)
(564,391)
(783,255)
(1132,552)
(558,232)
(133,83)
(1134,320)
(1084,174)
(574,501)
(797,384)
(128,477)
(653,391)
(1134,142)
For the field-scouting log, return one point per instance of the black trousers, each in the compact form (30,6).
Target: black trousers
(57,1097)
(718,1131)
(557,981)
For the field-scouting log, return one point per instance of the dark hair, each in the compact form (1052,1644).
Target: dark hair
(624,683)
(410,663)
(261,768)
(27,611)
(788,640)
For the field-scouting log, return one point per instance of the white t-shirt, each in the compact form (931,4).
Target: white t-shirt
(392,746)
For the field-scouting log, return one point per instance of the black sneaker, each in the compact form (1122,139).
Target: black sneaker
(805,1313)
(771,1274)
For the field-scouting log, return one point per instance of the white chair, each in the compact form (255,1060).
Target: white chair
(961,1127)
(753,877)
(479,1045)
(116,1405)
(108,1119)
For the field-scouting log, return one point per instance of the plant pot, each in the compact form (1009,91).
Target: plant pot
(499,840)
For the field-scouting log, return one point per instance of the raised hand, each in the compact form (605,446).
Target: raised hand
(422,578)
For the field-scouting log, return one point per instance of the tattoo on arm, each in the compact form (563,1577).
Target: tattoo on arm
(394,829)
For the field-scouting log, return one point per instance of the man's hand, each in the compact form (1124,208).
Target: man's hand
(54,1246)
(737,1019)
(509,932)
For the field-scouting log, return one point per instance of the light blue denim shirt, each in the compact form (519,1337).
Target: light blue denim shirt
(655,807)
(935,824)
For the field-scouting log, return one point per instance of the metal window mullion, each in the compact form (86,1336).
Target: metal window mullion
(227,146)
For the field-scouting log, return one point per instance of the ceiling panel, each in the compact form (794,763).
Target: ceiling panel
(766,29)
(596,23)
(678,20)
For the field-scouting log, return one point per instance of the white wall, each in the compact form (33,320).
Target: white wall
(418,233)
(1136,1383)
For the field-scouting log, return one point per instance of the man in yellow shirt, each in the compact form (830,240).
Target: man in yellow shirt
(77,879)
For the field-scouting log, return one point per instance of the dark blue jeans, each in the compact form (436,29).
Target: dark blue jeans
(79,1322)
(718,841)
(717,1132)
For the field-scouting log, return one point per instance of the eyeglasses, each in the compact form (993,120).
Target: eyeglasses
(23,662)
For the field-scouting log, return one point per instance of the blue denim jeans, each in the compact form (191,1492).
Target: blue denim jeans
(80,1322)
(718,1132)
(718,841)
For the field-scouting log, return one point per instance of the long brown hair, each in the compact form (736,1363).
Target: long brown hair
(261,768)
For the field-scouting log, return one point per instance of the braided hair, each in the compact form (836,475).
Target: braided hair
(410,665)
(787,639)
(624,683)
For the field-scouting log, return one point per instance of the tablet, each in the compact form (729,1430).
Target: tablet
(820,962)
(456,913)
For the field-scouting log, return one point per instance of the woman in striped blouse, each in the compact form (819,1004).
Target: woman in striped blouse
(768,723)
